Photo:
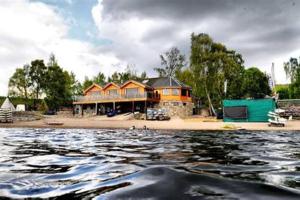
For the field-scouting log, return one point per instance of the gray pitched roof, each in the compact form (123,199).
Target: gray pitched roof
(163,82)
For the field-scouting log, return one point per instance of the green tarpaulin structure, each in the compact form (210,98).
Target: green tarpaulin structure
(247,110)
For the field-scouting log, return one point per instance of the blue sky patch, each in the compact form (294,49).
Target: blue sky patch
(78,16)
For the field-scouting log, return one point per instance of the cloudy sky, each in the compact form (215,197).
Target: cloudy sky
(88,36)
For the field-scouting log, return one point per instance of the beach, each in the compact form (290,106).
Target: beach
(173,124)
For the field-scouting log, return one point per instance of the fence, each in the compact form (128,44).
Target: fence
(6,116)
(285,103)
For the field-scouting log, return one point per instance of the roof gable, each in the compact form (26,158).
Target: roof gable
(109,84)
(135,82)
(92,86)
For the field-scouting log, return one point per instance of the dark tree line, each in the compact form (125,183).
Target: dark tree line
(38,80)
(57,86)
(117,77)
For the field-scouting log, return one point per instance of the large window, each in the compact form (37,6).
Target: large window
(175,92)
(113,92)
(166,91)
(94,93)
(132,92)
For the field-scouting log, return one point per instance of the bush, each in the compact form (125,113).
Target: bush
(42,107)
(283,93)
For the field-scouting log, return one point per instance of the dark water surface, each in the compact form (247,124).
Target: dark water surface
(146,164)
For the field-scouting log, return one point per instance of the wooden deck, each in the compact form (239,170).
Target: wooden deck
(114,99)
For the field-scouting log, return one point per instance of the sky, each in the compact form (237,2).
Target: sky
(88,36)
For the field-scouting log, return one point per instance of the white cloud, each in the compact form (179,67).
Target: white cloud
(33,30)
(127,36)
(139,34)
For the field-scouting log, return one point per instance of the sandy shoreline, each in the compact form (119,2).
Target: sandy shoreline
(174,124)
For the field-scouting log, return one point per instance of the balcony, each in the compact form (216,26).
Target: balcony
(117,98)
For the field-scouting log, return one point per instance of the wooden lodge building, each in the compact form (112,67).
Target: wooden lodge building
(133,96)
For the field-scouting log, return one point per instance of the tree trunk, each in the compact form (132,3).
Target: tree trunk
(211,107)
(26,98)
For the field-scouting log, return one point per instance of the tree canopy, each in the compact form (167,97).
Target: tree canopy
(255,83)
(18,84)
(292,70)
(37,76)
(212,65)
(58,87)
(172,62)
(129,74)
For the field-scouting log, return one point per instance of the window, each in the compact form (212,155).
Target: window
(184,104)
(165,91)
(94,93)
(190,92)
(183,92)
(175,92)
(113,92)
(132,92)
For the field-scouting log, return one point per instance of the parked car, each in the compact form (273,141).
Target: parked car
(50,112)
(111,113)
(157,114)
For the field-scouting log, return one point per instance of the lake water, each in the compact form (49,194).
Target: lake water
(146,164)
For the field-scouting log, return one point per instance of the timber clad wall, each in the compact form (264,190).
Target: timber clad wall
(166,93)
(94,89)
(173,97)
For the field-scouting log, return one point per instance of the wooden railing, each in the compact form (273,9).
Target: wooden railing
(146,95)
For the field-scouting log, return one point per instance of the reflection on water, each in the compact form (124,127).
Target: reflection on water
(143,164)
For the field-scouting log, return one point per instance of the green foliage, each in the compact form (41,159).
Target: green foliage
(37,76)
(185,76)
(172,62)
(294,88)
(100,79)
(75,86)
(292,69)
(129,74)
(42,106)
(19,84)
(117,77)
(283,91)
(211,65)
(58,87)
(255,83)
(86,83)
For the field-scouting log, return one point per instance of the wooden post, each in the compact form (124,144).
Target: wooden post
(81,110)
(96,108)
(132,106)
(114,105)
(145,108)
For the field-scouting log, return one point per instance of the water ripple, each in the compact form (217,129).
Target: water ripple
(147,164)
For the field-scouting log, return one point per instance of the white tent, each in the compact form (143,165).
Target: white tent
(8,105)
(20,107)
